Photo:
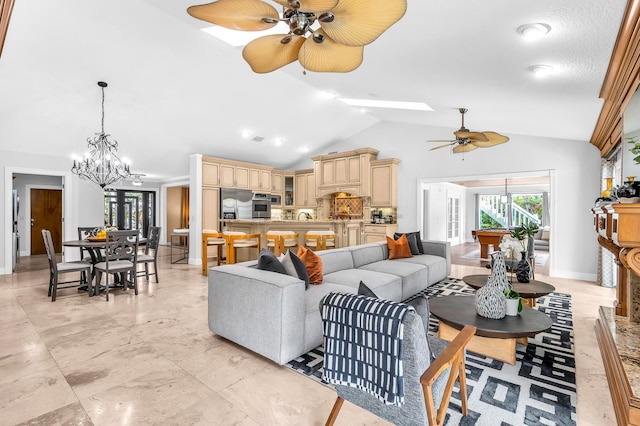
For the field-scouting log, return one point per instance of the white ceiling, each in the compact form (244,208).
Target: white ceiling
(175,91)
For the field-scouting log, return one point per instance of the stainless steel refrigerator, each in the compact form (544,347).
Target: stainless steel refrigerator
(236,202)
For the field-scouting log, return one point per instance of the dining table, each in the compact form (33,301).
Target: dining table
(95,248)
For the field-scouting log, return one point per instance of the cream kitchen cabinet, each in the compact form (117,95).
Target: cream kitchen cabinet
(384,183)
(242,177)
(210,208)
(210,174)
(305,190)
(276,182)
(227,175)
(347,171)
(378,232)
(260,180)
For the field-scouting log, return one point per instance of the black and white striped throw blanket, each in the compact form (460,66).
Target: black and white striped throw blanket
(363,344)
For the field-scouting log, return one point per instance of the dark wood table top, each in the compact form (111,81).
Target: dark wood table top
(458,311)
(530,290)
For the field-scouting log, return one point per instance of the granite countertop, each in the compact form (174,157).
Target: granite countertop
(627,337)
(288,221)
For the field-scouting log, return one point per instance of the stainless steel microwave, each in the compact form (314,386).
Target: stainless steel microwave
(275,200)
(261,209)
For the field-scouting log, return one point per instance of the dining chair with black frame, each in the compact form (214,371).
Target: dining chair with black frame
(121,255)
(150,254)
(55,269)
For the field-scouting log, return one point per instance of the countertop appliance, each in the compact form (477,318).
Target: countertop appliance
(235,203)
(261,206)
(376,216)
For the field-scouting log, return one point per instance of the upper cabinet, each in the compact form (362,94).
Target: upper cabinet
(235,174)
(347,171)
(210,174)
(384,182)
(305,189)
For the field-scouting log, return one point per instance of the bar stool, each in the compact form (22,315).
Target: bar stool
(211,237)
(280,241)
(289,240)
(320,240)
(236,240)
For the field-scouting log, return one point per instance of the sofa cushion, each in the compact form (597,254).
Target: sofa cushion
(313,263)
(398,249)
(412,239)
(386,286)
(436,266)
(267,261)
(414,275)
(336,260)
(365,254)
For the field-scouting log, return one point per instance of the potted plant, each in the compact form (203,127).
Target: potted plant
(635,148)
(514,302)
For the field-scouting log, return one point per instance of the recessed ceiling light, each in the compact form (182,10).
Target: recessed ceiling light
(246,133)
(242,38)
(417,106)
(541,71)
(304,149)
(278,141)
(532,32)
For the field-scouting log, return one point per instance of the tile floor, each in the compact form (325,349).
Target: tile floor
(151,359)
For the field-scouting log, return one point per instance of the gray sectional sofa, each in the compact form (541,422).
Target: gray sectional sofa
(272,314)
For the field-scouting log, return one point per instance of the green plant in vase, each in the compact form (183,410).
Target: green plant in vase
(511,294)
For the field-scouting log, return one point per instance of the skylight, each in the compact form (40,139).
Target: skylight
(417,106)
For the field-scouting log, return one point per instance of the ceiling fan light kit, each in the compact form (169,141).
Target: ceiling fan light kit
(324,35)
(467,140)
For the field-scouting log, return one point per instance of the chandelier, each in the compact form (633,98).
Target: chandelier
(101,165)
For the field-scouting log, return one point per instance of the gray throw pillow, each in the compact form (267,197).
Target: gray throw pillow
(412,240)
(295,267)
(267,261)
(363,290)
(417,237)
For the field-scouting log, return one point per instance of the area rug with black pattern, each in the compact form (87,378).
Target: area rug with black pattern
(540,389)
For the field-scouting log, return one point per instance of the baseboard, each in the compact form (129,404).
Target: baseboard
(572,275)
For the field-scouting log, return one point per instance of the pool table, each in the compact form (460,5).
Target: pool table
(489,236)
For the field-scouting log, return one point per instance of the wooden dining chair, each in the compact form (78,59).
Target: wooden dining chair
(121,255)
(56,269)
(83,233)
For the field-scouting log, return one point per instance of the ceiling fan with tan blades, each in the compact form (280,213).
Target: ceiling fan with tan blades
(324,35)
(468,141)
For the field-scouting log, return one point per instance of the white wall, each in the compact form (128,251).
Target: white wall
(576,165)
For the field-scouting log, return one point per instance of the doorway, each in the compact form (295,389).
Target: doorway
(46,213)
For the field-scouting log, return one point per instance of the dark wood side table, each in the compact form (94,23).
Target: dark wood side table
(494,338)
(528,291)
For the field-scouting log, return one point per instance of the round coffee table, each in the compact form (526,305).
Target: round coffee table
(528,291)
(494,338)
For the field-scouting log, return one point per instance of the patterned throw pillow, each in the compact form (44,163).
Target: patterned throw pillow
(399,249)
(313,263)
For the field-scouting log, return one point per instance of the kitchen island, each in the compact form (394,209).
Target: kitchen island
(348,232)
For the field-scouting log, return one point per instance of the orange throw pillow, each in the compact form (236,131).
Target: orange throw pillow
(313,263)
(399,248)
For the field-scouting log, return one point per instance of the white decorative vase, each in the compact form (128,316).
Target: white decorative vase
(490,299)
(512,307)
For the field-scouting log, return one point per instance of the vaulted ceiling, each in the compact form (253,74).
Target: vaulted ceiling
(174,90)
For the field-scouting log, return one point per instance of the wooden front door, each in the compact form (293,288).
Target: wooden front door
(46,213)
